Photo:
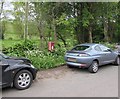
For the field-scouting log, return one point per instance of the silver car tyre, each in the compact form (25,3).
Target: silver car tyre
(93,68)
(117,61)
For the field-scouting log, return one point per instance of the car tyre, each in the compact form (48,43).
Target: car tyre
(93,68)
(117,61)
(23,79)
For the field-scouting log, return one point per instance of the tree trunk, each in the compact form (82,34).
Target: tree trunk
(40,36)
(90,34)
(90,9)
(1,26)
(79,28)
(111,30)
(63,40)
(105,24)
(49,35)
(1,9)
(26,21)
(54,28)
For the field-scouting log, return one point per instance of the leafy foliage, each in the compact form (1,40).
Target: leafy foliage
(40,59)
(45,60)
(20,48)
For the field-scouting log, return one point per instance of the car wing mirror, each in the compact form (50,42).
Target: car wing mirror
(109,50)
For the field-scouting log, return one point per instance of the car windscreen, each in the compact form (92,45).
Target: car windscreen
(81,48)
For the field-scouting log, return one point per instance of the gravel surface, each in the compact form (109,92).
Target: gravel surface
(75,82)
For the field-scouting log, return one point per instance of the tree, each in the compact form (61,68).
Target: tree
(118,23)
(26,21)
(19,21)
(66,23)
(1,26)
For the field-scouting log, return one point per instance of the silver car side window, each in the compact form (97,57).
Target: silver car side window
(103,48)
(97,48)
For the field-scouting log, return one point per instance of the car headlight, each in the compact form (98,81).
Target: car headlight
(32,66)
(83,55)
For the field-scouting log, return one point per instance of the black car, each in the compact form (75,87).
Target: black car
(17,72)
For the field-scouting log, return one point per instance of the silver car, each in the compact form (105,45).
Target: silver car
(91,56)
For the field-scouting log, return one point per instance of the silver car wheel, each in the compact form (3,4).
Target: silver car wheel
(24,80)
(95,67)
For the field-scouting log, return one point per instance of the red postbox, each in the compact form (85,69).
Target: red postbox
(50,46)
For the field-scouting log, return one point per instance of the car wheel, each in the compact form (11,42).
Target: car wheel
(117,61)
(23,79)
(93,68)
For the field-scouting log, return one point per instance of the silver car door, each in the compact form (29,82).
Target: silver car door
(108,54)
(100,54)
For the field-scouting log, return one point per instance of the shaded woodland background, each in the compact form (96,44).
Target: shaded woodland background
(64,23)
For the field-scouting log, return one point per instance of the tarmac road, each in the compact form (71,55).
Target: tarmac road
(66,82)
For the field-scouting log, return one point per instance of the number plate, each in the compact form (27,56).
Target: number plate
(72,59)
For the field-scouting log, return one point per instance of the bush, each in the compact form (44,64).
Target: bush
(19,49)
(40,59)
(45,59)
(46,62)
